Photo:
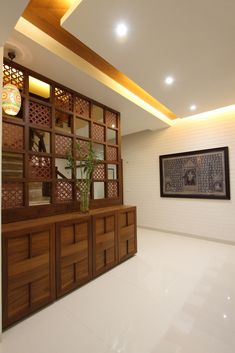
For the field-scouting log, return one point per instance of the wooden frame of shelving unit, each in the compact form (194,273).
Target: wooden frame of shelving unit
(38,116)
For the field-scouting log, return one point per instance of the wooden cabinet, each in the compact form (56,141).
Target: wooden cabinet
(127,237)
(46,258)
(28,271)
(73,264)
(104,242)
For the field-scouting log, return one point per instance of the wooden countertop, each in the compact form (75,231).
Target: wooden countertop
(16,226)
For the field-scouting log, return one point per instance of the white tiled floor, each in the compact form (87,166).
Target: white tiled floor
(176,296)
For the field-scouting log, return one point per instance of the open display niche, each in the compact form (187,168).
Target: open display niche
(37,181)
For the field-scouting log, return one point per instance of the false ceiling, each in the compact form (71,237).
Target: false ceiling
(33,56)
(10,11)
(193,41)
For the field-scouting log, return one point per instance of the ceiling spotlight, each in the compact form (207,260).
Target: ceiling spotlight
(169,80)
(193,107)
(121,30)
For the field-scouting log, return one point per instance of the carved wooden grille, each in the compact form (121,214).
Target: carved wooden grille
(98,133)
(99,172)
(112,153)
(39,167)
(111,119)
(13,138)
(82,152)
(14,76)
(82,107)
(63,145)
(12,195)
(112,189)
(39,114)
(64,191)
(63,99)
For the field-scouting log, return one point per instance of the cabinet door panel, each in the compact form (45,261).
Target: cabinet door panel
(104,242)
(73,242)
(127,242)
(28,271)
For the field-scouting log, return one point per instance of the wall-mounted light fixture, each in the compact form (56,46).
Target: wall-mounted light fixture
(11,98)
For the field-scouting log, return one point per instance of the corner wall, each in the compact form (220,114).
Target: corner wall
(206,218)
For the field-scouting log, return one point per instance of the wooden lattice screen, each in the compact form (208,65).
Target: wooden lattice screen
(36,179)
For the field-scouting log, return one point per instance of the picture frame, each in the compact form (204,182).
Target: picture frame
(200,174)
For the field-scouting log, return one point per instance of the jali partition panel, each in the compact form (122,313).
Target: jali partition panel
(53,119)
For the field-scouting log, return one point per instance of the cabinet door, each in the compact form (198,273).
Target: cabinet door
(28,271)
(104,242)
(74,262)
(127,240)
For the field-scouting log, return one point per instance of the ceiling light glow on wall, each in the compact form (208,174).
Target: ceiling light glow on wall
(121,30)
(169,80)
(193,107)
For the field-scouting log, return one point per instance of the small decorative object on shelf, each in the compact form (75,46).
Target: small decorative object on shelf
(83,172)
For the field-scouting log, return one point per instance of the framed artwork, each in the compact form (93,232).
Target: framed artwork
(197,174)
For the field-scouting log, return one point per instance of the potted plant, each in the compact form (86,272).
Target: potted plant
(85,165)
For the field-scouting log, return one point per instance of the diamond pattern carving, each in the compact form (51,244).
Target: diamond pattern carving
(82,107)
(98,133)
(39,114)
(39,167)
(112,154)
(99,172)
(112,189)
(64,191)
(12,195)
(12,136)
(111,119)
(84,146)
(63,99)
(14,76)
(63,145)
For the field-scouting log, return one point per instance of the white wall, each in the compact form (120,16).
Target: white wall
(206,218)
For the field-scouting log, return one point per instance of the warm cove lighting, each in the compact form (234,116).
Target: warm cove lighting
(39,87)
(121,30)
(11,99)
(230,109)
(169,80)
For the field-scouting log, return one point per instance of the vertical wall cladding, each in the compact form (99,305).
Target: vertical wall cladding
(208,218)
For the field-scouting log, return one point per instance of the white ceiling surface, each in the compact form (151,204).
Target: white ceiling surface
(38,59)
(10,11)
(190,40)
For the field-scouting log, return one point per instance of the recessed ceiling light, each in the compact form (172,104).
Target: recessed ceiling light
(169,80)
(193,107)
(121,30)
